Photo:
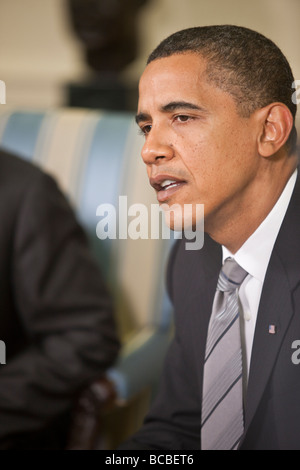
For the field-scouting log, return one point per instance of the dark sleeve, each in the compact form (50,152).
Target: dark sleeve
(173,422)
(65,311)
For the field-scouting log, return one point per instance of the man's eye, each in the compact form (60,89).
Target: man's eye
(145,129)
(182,118)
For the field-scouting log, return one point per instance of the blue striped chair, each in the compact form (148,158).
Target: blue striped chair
(95,157)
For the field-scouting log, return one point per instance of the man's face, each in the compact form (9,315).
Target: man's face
(198,149)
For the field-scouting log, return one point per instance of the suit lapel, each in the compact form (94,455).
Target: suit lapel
(276,306)
(275,310)
(204,267)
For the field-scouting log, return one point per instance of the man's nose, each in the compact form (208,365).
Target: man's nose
(156,147)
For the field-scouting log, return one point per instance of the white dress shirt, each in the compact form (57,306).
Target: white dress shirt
(254,257)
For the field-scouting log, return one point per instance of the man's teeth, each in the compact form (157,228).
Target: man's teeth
(168,183)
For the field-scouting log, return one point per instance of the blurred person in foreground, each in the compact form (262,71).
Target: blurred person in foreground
(217,110)
(56,314)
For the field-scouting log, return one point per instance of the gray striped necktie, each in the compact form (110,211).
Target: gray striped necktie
(222,423)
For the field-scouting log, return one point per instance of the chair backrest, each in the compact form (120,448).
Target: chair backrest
(95,158)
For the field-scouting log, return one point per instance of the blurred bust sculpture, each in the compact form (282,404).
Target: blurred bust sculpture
(108,29)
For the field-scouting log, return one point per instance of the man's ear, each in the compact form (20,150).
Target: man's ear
(276,123)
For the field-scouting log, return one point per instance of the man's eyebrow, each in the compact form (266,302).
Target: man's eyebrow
(142,117)
(175,105)
(169,107)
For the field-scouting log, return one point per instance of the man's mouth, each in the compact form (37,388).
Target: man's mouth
(166,186)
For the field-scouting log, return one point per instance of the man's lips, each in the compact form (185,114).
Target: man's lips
(165,186)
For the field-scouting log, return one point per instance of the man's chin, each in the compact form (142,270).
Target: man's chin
(186,218)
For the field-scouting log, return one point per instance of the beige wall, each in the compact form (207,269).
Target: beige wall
(38,52)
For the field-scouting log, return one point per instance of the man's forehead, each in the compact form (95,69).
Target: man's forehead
(185,63)
(179,74)
(167,81)
(170,82)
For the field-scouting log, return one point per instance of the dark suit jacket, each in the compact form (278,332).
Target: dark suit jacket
(56,316)
(272,409)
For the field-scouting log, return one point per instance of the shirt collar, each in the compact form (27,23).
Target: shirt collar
(255,253)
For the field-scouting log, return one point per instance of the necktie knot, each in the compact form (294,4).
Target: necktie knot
(231,276)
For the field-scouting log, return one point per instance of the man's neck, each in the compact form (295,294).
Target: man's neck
(233,229)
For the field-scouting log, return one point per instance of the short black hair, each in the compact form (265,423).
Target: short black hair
(240,61)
